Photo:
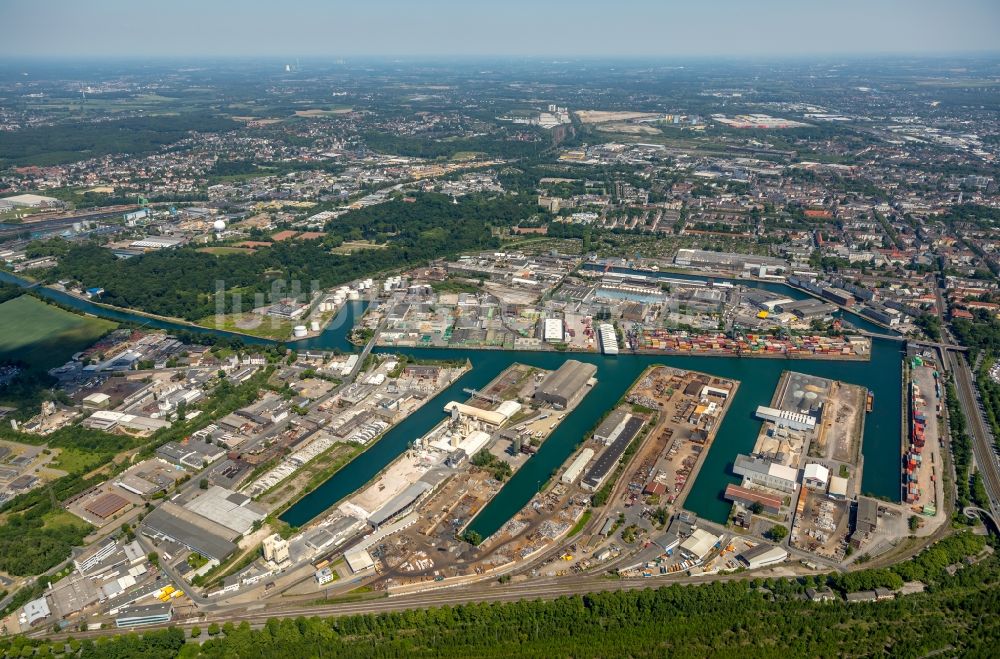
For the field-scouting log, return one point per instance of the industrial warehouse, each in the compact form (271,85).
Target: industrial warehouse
(431,492)
(608,459)
(568,383)
(208,524)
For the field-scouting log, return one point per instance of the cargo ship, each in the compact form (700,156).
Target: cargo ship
(869,401)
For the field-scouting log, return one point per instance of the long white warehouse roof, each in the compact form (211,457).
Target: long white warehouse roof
(772,414)
(575,468)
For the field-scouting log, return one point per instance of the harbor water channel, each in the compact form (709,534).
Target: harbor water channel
(615,374)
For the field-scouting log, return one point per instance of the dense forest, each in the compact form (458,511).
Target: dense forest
(182,282)
(759,617)
(29,546)
(52,145)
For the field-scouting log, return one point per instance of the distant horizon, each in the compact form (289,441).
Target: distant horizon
(348,58)
(448,29)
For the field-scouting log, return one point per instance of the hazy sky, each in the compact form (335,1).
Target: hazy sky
(143,28)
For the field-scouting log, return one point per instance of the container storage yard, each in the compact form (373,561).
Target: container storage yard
(922,453)
(754,345)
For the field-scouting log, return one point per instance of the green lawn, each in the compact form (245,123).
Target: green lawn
(220,251)
(75,461)
(45,336)
(56,518)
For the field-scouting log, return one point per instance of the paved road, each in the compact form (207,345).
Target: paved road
(367,349)
(168,570)
(982,439)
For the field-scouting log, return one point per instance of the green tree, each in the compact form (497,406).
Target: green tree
(777,533)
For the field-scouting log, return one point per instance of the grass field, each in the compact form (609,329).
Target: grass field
(219,251)
(44,336)
(75,461)
(350,246)
(266,327)
(61,517)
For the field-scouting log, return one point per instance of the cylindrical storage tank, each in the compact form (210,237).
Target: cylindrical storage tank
(314,325)
(299,331)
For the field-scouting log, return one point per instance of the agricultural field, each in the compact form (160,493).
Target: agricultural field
(44,336)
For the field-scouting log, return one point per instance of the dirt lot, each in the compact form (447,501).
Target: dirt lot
(839,436)
(821,525)
(628,129)
(510,294)
(601,116)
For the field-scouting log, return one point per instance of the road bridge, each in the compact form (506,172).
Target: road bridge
(972,512)
(911,341)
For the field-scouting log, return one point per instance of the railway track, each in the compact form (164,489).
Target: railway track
(982,440)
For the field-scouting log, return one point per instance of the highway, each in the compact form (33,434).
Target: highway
(982,440)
